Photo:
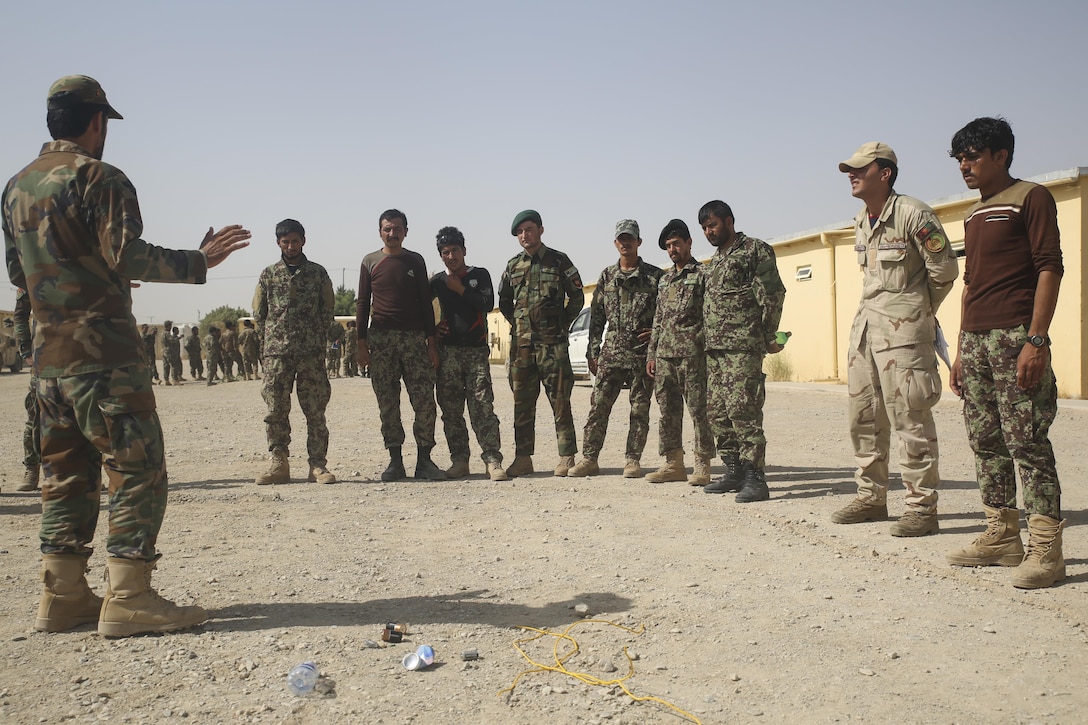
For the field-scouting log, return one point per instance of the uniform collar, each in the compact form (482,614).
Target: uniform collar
(63,146)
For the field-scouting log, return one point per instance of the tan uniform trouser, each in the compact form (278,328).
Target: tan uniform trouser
(896,387)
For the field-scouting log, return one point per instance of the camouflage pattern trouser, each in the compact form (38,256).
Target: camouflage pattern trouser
(1006,424)
(397,354)
(249,363)
(229,361)
(175,365)
(214,365)
(895,388)
(307,376)
(464,373)
(736,391)
(166,368)
(550,365)
(678,380)
(86,418)
(32,431)
(332,361)
(351,362)
(606,389)
(196,367)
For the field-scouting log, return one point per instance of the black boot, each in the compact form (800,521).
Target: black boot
(754,486)
(730,481)
(426,469)
(395,470)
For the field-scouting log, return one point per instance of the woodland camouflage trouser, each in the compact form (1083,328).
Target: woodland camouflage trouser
(529,367)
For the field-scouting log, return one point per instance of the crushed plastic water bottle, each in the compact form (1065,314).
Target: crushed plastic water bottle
(302,678)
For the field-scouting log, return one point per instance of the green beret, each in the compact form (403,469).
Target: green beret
(529,215)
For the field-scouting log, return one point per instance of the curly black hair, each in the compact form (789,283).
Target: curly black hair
(984,133)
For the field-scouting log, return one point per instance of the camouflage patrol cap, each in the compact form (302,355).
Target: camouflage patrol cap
(70,90)
(866,154)
(627,226)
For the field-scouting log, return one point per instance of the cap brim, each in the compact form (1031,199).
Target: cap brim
(854,162)
(111,112)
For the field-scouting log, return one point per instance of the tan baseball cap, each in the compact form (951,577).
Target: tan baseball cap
(79,89)
(866,154)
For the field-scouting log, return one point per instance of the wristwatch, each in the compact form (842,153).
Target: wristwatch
(1039,340)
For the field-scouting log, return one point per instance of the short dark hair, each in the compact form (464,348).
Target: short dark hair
(195,329)
(718,208)
(289,226)
(392,214)
(449,236)
(675,228)
(70,120)
(247,323)
(985,133)
(888,164)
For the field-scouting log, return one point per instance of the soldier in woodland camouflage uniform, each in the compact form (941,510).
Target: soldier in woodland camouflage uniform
(395,299)
(351,350)
(72,230)
(171,352)
(465,296)
(166,326)
(213,353)
(249,345)
(228,348)
(192,349)
(741,310)
(293,307)
(148,337)
(335,349)
(32,431)
(625,299)
(676,360)
(1003,368)
(540,294)
(909,269)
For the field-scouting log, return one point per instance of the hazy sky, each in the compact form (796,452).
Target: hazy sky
(465,113)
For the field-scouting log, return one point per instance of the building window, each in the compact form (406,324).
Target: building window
(804,273)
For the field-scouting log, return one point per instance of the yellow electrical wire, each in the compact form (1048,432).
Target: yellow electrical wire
(560,661)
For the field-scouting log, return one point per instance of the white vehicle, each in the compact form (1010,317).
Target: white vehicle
(579,345)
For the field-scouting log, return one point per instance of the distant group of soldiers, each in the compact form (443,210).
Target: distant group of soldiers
(230,354)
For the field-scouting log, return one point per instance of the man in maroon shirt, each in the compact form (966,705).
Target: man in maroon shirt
(1003,367)
(395,321)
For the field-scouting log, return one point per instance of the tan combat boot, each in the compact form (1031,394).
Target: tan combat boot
(495,471)
(278,472)
(522,466)
(31,477)
(320,474)
(563,467)
(999,544)
(457,469)
(585,467)
(66,601)
(133,607)
(700,475)
(632,468)
(672,470)
(1043,563)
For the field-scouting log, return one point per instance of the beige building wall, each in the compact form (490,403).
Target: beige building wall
(823,286)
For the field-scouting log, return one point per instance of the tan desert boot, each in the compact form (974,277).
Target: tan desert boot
(457,469)
(31,479)
(700,475)
(133,607)
(632,468)
(1043,563)
(66,601)
(522,466)
(585,467)
(672,470)
(320,474)
(563,467)
(495,471)
(999,544)
(278,472)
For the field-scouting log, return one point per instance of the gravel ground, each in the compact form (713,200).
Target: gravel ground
(753,613)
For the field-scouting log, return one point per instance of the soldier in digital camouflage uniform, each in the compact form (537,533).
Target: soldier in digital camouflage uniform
(741,311)
(465,295)
(1003,367)
(335,349)
(293,306)
(909,268)
(166,351)
(148,336)
(228,351)
(213,353)
(625,298)
(249,345)
(192,349)
(171,350)
(32,431)
(351,350)
(94,380)
(540,295)
(676,360)
(395,319)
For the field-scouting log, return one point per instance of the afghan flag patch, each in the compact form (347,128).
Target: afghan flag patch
(930,235)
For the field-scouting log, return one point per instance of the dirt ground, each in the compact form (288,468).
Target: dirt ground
(752,613)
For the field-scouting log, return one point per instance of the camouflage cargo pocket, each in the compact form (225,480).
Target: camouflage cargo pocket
(918,377)
(133,428)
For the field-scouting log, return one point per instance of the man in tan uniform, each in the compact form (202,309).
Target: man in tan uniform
(909,269)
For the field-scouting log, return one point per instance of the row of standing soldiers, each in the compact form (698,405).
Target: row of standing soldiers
(224,349)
